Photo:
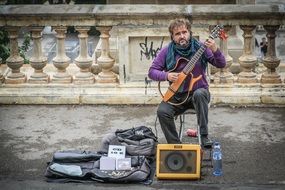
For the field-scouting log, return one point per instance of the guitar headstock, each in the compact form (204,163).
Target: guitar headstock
(218,31)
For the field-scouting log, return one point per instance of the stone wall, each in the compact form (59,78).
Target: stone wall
(130,37)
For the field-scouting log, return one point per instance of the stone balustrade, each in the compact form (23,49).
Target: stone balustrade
(141,31)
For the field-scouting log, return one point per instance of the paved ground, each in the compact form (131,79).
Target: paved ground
(253,143)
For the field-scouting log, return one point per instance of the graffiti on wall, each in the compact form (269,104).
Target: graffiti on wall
(148,50)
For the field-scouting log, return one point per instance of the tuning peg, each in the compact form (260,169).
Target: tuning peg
(222,34)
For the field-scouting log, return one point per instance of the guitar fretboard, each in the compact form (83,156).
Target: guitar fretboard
(190,65)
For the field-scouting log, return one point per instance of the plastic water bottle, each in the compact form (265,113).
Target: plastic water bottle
(217,159)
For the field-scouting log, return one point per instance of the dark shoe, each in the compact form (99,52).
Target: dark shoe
(206,142)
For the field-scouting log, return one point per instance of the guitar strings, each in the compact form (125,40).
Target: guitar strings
(190,65)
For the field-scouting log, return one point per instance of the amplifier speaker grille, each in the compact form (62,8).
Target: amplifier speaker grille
(181,161)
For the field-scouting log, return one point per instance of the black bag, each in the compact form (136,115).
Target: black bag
(138,141)
(136,133)
(139,173)
(83,166)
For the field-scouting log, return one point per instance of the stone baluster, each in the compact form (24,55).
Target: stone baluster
(61,61)
(248,60)
(38,61)
(224,75)
(270,61)
(105,61)
(83,61)
(14,61)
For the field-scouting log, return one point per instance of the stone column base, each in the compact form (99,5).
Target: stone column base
(16,78)
(39,78)
(224,78)
(84,78)
(270,78)
(107,77)
(247,77)
(62,78)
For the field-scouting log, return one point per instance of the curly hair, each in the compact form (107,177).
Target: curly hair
(177,23)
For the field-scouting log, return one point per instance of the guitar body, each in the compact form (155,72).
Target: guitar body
(173,88)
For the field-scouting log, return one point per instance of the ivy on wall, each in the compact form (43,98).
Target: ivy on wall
(5,49)
(4,45)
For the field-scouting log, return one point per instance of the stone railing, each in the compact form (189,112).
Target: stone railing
(143,26)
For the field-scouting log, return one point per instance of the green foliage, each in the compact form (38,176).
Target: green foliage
(71,30)
(24,48)
(93,31)
(4,46)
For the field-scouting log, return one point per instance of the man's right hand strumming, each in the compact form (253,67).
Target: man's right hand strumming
(172,77)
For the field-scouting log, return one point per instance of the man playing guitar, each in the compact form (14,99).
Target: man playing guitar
(168,66)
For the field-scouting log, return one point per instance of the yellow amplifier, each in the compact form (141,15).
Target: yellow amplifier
(178,161)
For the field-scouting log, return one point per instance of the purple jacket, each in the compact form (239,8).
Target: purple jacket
(158,72)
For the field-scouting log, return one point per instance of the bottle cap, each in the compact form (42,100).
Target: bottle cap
(217,144)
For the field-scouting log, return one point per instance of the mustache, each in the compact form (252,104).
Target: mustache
(183,42)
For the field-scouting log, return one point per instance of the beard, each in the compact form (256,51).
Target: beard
(183,42)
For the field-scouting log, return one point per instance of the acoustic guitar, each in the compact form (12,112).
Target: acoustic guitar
(173,87)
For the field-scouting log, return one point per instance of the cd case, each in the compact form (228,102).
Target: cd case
(123,164)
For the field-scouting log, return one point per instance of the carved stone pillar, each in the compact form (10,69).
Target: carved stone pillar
(248,60)
(38,61)
(270,61)
(61,61)
(14,61)
(105,61)
(83,61)
(224,75)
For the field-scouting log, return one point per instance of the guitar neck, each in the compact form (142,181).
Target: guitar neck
(190,65)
